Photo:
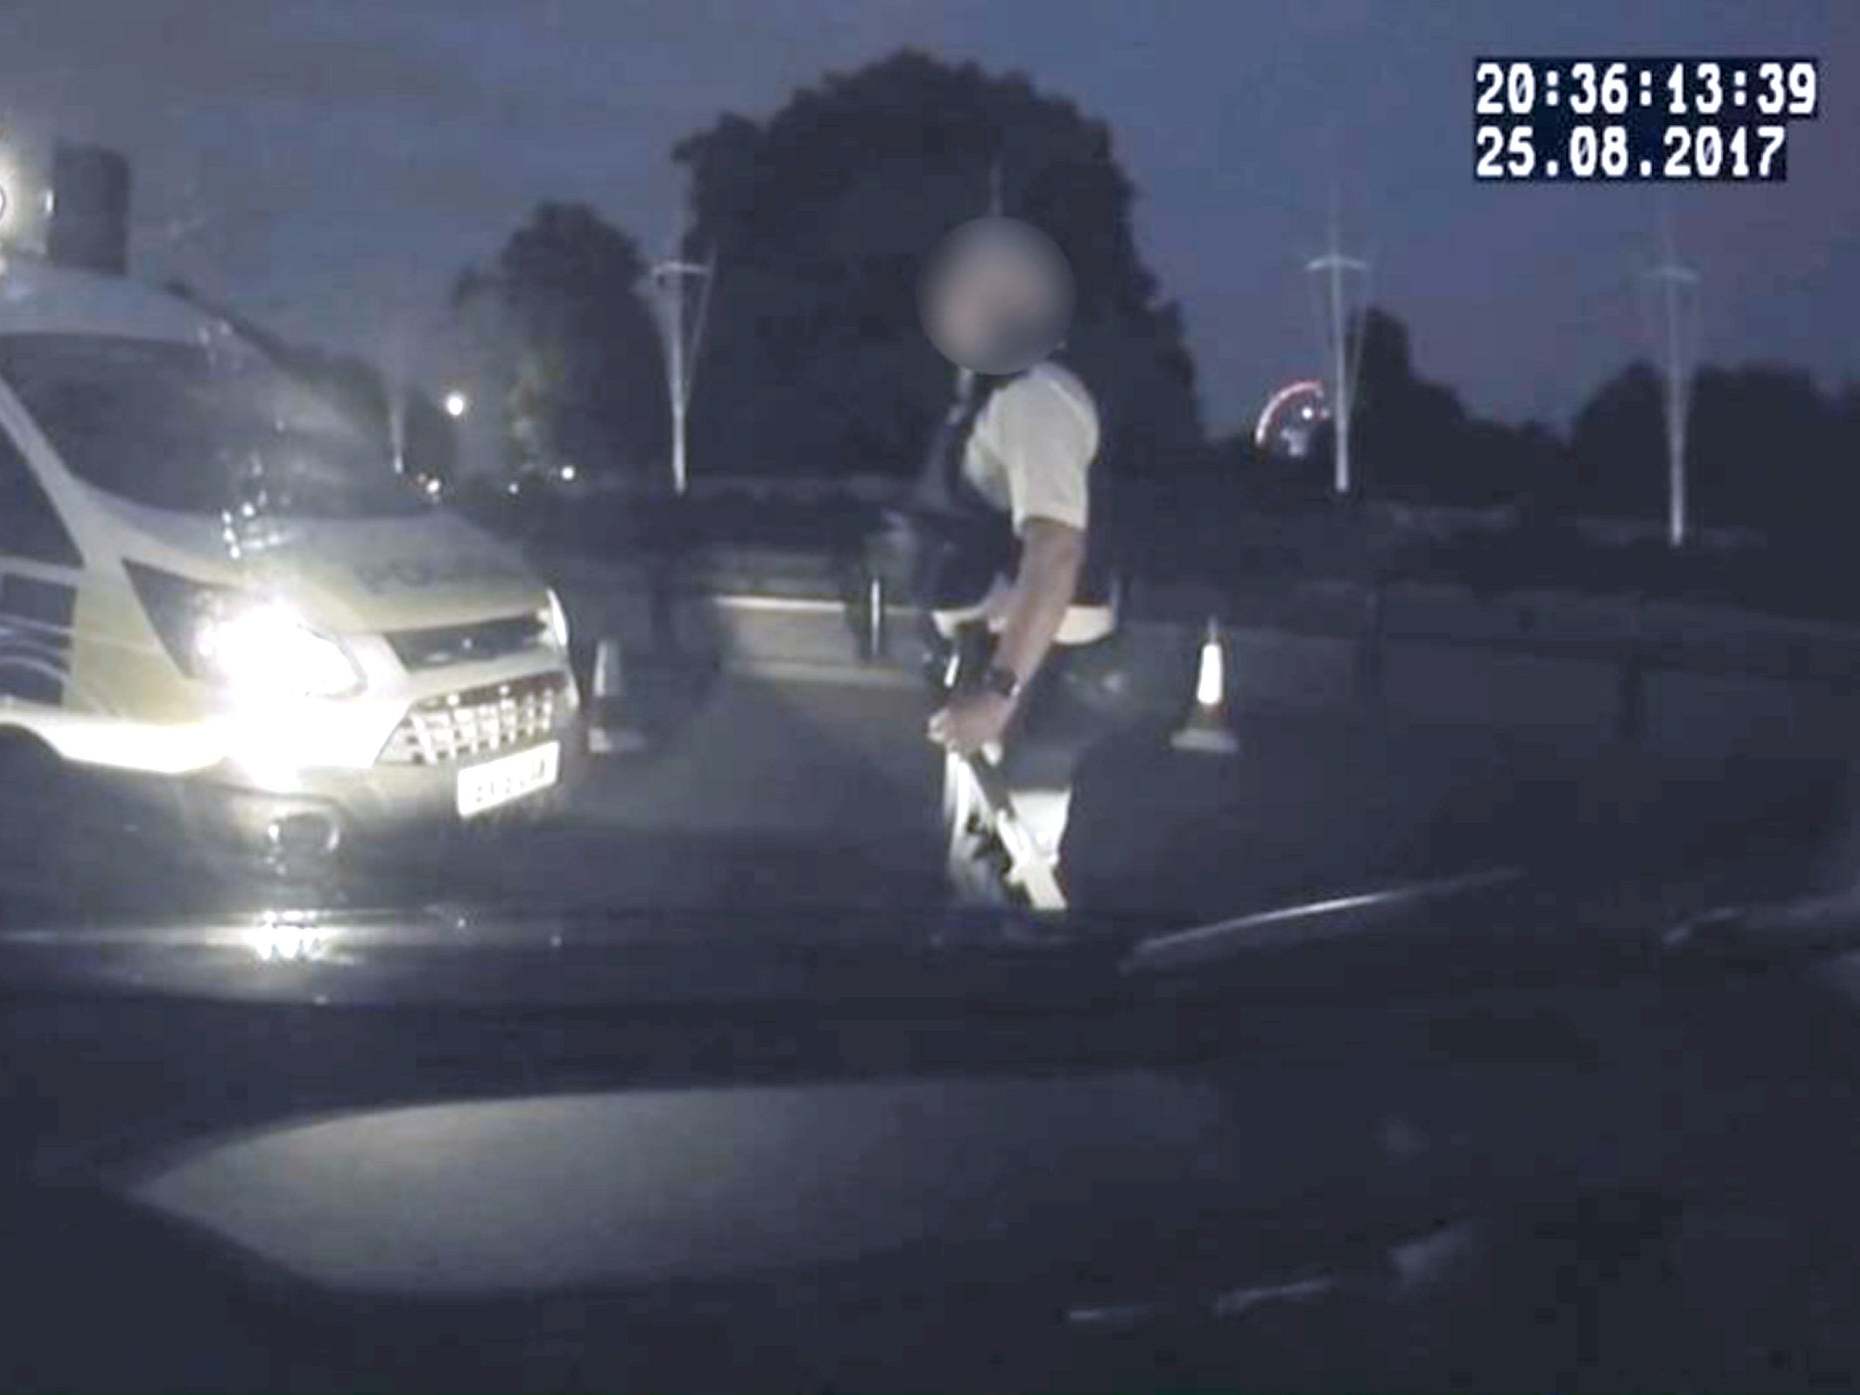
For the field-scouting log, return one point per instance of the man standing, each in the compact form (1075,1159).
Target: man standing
(1020,586)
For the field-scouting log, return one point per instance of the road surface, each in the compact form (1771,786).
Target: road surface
(759,793)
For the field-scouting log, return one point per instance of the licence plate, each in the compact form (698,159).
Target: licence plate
(507,778)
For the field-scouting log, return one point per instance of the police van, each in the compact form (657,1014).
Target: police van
(212,579)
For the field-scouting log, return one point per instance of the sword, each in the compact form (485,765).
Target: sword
(1029,868)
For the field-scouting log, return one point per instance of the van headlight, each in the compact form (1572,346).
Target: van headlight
(242,641)
(555,621)
(265,648)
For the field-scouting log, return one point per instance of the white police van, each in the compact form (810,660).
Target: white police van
(211,577)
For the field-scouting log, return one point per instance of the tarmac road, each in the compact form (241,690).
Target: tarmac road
(760,793)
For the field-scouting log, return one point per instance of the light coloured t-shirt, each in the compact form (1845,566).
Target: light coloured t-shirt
(1031,450)
(1030,456)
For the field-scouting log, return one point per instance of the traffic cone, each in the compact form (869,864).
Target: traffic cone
(610,732)
(1207,731)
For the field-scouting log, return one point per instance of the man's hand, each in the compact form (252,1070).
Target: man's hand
(1052,555)
(971,721)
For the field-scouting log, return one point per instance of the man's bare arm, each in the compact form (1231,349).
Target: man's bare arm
(1052,556)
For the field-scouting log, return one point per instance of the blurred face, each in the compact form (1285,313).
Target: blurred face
(997,296)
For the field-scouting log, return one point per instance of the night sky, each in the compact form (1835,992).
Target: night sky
(329,164)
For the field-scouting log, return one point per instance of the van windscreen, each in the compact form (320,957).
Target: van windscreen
(174,426)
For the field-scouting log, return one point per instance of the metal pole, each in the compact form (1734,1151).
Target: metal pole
(1342,480)
(1675,432)
(1674,281)
(669,277)
(676,385)
(1336,266)
(397,424)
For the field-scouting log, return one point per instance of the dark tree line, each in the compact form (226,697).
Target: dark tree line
(1767,450)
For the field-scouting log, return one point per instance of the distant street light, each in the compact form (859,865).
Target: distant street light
(457,404)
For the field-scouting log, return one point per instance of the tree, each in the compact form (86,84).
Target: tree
(1846,463)
(1764,452)
(1618,446)
(1417,443)
(1847,409)
(821,218)
(587,375)
(1540,461)
(1408,431)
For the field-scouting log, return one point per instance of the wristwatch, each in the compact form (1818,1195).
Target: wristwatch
(1002,681)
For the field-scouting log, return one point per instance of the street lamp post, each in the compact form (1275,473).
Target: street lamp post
(682,343)
(1335,269)
(1677,287)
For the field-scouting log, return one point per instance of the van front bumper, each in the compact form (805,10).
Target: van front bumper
(359,812)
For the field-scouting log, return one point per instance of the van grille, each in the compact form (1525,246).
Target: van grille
(458,644)
(475,721)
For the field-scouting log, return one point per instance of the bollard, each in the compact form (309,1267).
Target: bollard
(610,730)
(1207,732)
